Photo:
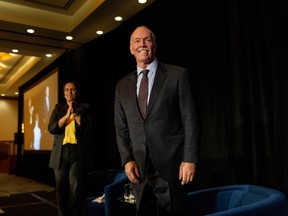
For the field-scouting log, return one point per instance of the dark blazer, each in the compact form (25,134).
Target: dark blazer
(83,133)
(170,129)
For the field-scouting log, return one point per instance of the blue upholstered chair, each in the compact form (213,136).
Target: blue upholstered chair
(242,200)
(110,183)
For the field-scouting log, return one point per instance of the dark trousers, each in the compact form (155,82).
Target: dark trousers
(157,197)
(70,179)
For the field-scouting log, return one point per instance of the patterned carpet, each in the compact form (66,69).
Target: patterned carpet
(12,184)
(41,203)
(21,196)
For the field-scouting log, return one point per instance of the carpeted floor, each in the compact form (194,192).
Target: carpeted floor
(12,184)
(20,196)
(41,203)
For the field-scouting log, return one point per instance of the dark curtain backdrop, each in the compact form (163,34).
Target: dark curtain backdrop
(236,52)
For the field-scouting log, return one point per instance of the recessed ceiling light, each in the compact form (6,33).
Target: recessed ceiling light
(48,55)
(142,1)
(118,18)
(2,94)
(31,31)
(16,93)
(15,50)
(69,37)
(99,32)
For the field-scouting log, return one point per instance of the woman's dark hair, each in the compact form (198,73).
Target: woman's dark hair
(75,83)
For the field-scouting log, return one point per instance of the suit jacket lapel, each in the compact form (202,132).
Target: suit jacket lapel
(132,92)
(157,85)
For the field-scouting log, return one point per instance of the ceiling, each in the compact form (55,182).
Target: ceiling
(52,21)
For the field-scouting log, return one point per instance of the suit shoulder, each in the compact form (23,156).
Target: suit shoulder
(60,105)
(171,67)
(129,76)
(86,105)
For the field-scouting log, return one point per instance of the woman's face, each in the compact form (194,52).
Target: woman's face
(70,92)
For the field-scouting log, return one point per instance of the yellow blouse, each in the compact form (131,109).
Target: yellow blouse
(70,132)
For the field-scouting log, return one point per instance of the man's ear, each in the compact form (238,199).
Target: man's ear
(131,50)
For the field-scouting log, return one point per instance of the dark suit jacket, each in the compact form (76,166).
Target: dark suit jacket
(170,129)
(83,133)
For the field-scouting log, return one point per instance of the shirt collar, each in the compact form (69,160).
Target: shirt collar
(151,67)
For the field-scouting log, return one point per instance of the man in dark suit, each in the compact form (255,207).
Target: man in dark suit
(159,149)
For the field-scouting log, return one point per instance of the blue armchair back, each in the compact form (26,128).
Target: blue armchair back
(244,200)
(109,182)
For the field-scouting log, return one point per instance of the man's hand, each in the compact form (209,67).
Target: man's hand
(187,172)
(132,172)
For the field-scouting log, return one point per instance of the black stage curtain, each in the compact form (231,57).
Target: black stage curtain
(236,52)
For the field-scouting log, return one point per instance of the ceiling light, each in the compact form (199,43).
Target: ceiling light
(16,93)
(142,1)
(15,50)
(118,18)
(99,32)
(31,31)
(2,94)
(69,37)
(48,55)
